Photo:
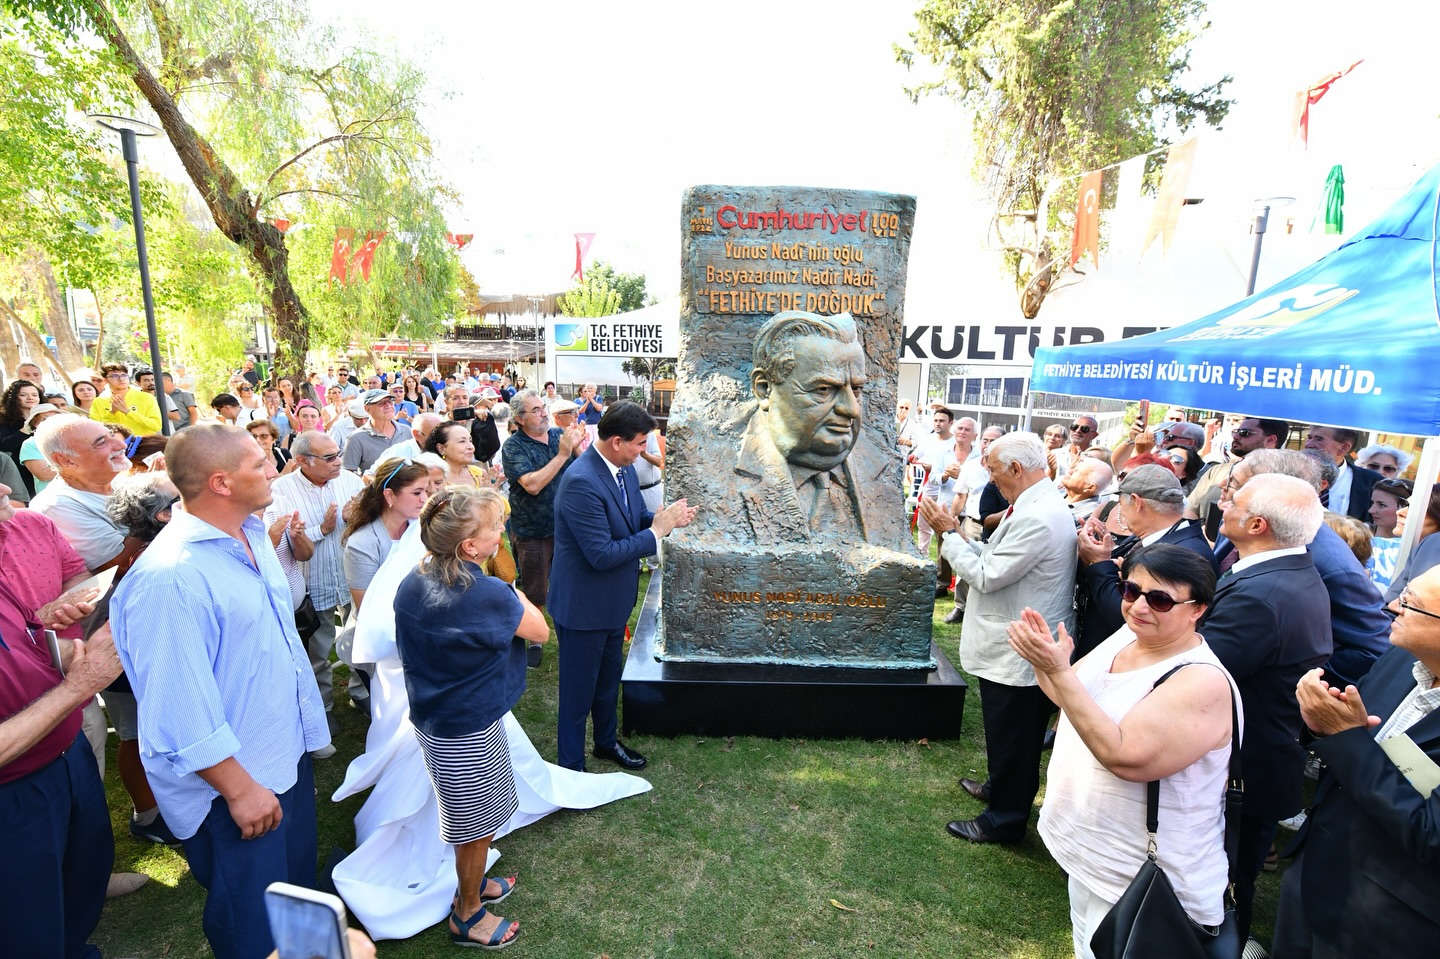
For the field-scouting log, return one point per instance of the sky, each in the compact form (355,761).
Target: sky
(556,117)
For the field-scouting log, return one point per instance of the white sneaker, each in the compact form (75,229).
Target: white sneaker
(124,883)
(1294,822)
(1253,950)
(324,752)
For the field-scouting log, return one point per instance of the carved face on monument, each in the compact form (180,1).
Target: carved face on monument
(808,377)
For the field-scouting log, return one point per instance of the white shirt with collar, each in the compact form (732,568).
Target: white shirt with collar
(1255,559)
(1339,499)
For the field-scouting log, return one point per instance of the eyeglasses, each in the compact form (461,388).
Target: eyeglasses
(330,458)
(117,376)
(1156,599)
(1081,428)
(1409,607)
(1244,432)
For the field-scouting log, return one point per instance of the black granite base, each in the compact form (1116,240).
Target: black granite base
(814,702)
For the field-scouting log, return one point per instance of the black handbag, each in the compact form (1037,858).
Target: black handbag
(307,620)
(1148,920)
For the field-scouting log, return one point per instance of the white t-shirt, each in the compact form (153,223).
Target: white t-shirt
(937,455)
(972,479)
(81,518)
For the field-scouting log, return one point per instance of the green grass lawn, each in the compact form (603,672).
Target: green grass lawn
(738,850)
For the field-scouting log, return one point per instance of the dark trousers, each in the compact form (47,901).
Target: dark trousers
(58,853)
(1256,834)
(591,661)
(532,560)
(1015,721)
(235,871)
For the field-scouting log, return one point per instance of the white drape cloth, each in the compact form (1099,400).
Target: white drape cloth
(401,876)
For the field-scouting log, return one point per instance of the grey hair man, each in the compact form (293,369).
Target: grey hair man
(1359,625)
(1029,562)
(1350,493)
(320,492)
(88,456)
(1268,630)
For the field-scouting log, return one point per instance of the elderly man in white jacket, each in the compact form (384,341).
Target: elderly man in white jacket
(1028,562)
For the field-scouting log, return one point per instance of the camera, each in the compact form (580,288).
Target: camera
(462,413)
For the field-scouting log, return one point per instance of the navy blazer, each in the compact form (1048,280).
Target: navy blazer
(1100,583)
(598,546)
(1362,482)
(1358,622)
(1369,882)
(1269,625)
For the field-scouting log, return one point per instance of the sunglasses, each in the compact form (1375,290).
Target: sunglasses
(327,459)
(1244,432)
(1156,599)
(1080,428)
(246,389)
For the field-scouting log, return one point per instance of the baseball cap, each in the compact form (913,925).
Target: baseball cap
(562,406)
(371,397)
(357,409)
(1153,482)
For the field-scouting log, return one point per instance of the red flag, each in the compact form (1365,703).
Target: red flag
(1087,219)
(340,255)
(1310,96)
(1173,183)
(582,246)
(459,240)
(365,256)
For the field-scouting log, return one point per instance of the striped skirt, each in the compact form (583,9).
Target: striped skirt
(473,780)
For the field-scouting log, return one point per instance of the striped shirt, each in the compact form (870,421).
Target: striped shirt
(208,641)
(325,572)
(1422,701)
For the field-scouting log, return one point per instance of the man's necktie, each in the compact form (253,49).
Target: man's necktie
(620,481)
(1325,497)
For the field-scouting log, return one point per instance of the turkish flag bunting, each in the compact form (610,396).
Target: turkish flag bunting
(365,256)
(340,255)
(1087,220)
(582,246)
(1173,184)
(1307,98)
(459,240)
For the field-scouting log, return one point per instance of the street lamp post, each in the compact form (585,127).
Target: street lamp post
(130,130)
(1262,220)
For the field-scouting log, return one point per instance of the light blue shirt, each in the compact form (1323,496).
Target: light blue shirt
(208,641)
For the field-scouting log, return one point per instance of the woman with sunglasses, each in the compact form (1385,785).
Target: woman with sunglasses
(1118,731)
(1387,498)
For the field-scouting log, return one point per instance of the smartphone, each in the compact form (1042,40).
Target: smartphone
(306,924)
(1142,416)
(462,413)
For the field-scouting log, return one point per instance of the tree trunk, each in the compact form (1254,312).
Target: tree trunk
(53,312)
(225,197)
(42,352)
(9,347)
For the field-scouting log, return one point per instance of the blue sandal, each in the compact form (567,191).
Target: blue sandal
(497,938)
(507,886)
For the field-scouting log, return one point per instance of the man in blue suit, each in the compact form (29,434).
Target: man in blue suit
(602,530)
(1364,882)
(1357,614)
(1269,624)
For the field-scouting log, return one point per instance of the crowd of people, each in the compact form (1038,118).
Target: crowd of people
(296,500)
(1091,572)
(1085,575)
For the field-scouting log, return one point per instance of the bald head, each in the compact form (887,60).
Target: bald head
(1087,479)
(195,454)
(424,424)
(1273,511)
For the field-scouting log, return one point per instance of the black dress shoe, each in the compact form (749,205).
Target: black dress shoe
(968,830)
(955,615)
(979,790)
(942,591)
(621,756)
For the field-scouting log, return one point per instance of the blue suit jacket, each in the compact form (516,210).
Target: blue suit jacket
(598,546)
(1269,625)
(1358,622)
(1362,482)
(1369,885)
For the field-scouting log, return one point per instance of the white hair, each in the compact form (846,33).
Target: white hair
(1288,504)
(50,435)
(1402,458)
(1023,448)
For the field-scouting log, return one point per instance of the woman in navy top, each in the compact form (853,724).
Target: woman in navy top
(461,636)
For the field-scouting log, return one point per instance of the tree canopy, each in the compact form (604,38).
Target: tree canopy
(1059,87)
(604,292)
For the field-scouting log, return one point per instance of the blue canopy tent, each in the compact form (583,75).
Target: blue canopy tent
(1352,340)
